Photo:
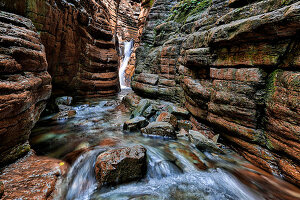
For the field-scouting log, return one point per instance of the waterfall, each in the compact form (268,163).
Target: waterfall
(81,181)
(127,54)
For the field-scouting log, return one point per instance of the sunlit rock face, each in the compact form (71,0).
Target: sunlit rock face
(79,41)
(235,66)
(25,84)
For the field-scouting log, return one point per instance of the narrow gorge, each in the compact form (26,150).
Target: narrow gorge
(150,99)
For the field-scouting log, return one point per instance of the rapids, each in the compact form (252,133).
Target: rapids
(174,166)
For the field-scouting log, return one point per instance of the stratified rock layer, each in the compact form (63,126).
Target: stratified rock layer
(25,85)
(235,66)
(33,177)
(79,41)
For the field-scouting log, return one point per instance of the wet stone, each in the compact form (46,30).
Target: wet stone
(150,111)
(67,114)
(184,124)
(167,117)
(180,113)
(135,124)
(202,142)
(163,129)
(143,105)
(64,101)
(121,165)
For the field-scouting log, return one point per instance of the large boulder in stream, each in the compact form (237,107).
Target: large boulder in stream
(163,129)
(121,165)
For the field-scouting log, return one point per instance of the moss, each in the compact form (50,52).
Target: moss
(14,154)
(187,8)
(271,86)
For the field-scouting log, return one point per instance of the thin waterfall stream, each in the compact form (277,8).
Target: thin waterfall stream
(173,170)
(128,45)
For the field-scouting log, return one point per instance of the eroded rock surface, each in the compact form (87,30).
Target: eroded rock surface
(79,41)
(235,67)
(163,129)
(25,84)
(32,177)
(121,165)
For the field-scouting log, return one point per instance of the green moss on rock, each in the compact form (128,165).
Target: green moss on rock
(186,8)
(271,84)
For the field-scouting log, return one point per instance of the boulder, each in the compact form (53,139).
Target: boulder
(150,111)
(135,124)
(64,101)
(167,117)
(202,142)
(121,165)
(163,129)
(180,113)
(185,124)
(143,105)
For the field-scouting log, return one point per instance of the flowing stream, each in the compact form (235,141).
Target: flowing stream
(174,166)
(127,54)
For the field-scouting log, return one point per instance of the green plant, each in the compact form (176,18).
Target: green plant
(186,8)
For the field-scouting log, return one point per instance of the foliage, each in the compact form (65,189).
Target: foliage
(186,8)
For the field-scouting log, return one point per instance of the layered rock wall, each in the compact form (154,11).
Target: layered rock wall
(25,84)
(235,66)
(79,42)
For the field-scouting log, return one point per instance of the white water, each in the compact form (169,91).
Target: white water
(127,54)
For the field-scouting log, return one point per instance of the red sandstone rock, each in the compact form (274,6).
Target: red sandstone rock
(79,43)
(33,177)
(237,64)
(167,117)
(121,165)
(24,84)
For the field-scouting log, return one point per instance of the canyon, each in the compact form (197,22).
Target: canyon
(225,70)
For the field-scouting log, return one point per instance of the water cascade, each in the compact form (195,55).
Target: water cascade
(127,54)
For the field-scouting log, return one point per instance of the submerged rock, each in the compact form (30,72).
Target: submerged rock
(121,165)
(135,124)
(163,129)
(202,142)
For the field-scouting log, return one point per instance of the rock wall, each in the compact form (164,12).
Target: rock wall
(235,66)
(79,41)
(25,84)
(132,17)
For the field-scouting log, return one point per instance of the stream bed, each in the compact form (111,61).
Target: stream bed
(176,168)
